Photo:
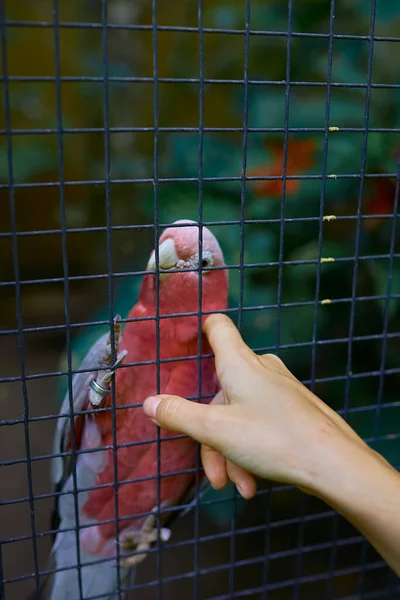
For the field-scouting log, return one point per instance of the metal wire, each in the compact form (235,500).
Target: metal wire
(7,110)
(386,325)
(156,117)
(320,237)
(232,541)
(355,281)
(196,553)
(216,30)
(110,283)
(302,551)
(66,292)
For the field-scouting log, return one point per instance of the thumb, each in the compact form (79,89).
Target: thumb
(180,415)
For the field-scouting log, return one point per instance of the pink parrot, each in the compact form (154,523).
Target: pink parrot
(178,338)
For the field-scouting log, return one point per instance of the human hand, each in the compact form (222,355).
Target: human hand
(263,422)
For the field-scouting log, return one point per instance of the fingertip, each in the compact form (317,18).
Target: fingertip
(214,466)
(150,406)
(211,320)
(244,481)
(247,487)
(224,338)
(214,317)
(218,482)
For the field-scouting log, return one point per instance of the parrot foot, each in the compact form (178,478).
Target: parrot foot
(135,541)
(100,385)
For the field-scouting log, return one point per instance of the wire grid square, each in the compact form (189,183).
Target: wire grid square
(280,555)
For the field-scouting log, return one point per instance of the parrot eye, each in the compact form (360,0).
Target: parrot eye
(207,260)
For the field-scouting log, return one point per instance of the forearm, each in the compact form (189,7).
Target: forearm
(365,489)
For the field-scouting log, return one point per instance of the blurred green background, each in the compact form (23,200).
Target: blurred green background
(289,330)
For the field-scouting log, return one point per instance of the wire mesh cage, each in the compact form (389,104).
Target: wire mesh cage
(276,126)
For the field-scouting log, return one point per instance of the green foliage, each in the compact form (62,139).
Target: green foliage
(381,274)
(30,160)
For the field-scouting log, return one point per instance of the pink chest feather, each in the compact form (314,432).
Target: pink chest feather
(137,447)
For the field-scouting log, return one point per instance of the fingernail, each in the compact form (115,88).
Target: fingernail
(150,406)
(239,489)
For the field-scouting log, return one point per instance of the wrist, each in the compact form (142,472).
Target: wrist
(367,493)
(357,482)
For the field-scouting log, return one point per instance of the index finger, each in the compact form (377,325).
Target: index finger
(225,339)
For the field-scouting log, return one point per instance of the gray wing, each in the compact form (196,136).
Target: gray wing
(80,383)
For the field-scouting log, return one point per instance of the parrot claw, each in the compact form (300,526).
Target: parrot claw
(100,385)
(142,541)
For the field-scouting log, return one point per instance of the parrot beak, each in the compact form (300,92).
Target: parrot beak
(167,258)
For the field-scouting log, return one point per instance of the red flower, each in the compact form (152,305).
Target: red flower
(299,159)
(381,202)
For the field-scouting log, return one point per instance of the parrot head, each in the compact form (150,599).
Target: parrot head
(178,257)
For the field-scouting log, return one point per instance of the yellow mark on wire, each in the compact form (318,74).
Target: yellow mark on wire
(328,259)
(334,129)
(333,176)
(326,301)
(329,218)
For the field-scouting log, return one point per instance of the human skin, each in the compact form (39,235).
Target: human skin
(265,423)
